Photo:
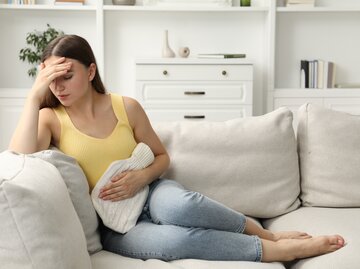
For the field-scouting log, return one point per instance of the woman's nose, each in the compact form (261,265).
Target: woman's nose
(57,84)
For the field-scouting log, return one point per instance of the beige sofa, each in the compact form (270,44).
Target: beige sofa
(254,165)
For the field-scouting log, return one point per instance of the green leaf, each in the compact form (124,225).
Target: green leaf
(37,41)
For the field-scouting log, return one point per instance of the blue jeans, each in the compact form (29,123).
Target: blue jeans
(181,224)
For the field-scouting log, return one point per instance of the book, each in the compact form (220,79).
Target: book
(311,74)
(314,73)
(331,75)
(320,74)
(221,55)
(69,2)
(317,74)
(21,2)
(348,85)
(302,3)
(304,74)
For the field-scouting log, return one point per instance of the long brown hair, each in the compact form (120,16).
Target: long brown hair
(74,47)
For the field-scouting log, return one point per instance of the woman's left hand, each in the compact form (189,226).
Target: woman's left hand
(123,186)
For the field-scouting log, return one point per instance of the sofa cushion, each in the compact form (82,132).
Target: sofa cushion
(249,164)
(324,221)
(39,227)
(108,260)
(329,149)
(202,264)
(78,188)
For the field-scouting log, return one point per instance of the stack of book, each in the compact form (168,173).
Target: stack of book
(317,74)
(69,2)
(21,2)
(221,55)
(296,3)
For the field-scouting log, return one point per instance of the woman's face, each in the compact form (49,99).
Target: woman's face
(73,85)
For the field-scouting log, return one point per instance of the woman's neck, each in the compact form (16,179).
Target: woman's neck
(86,105)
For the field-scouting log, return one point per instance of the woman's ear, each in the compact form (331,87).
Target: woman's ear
(92,71)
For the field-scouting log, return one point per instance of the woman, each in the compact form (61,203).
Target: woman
(68,107)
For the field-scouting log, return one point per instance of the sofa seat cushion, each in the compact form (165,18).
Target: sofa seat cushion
(329,149)
(324,221)
(249,164)
(108,260)
(39,227)
(201,264)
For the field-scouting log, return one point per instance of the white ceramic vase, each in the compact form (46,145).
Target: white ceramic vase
(167,52)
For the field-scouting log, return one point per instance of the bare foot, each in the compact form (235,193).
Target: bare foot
(319,245)
(290,235)
(291,249)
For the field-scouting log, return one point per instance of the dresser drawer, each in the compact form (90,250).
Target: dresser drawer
(168,72)
(157,92)
(197,114)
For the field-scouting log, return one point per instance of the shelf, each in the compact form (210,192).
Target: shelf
(335,92)
(47,7)
(192,60)
(183,9)
(319,9)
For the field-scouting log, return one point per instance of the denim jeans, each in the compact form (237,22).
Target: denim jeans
(181,224)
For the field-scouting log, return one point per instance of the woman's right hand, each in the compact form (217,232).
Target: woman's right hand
(47,74)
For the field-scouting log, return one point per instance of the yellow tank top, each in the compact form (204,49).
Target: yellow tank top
(94,155)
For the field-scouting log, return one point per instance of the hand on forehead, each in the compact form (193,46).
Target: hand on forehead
(53,60)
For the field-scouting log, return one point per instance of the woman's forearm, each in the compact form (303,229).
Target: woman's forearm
(25,137)
(157,168)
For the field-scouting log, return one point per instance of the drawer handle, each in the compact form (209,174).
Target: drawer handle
(165,72)
(194,116)
(194,93)
(224,73)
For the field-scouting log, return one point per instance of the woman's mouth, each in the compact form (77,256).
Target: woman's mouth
(62,96)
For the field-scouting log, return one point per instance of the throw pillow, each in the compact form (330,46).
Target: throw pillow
(78,188)
(39,227)
(122,215)
(329,143)
(249,164)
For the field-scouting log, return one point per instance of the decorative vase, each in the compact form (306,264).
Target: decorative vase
(167,52)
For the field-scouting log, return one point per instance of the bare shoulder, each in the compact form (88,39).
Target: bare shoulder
(131,104)
(134,111)
(49,121)
(47,115)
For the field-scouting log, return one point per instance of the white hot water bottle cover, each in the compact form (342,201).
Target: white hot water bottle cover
(122,215)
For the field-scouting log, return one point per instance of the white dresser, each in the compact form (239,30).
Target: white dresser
(173,89)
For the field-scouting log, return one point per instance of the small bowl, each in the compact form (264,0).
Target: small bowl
(124,2)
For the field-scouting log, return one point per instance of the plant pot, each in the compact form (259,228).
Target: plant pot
(124,2)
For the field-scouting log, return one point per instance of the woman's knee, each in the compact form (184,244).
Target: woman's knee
(171,201)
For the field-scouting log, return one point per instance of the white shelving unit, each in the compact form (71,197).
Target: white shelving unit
(275,39)
(120,34)
(328,32)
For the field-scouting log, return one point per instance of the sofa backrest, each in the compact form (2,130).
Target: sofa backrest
(329,150)
(39,226)
(249,164)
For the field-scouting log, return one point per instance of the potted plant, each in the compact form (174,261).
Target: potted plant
(38,41)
